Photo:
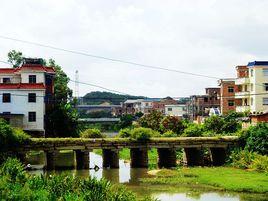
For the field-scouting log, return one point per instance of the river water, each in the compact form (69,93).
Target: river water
(130,177)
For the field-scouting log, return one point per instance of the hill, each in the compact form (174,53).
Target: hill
(98,97)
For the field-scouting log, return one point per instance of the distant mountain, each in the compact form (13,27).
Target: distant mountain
(97,98)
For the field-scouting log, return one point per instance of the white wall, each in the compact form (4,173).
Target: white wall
(13,78)
(176,110)
(19,105)
(40,77)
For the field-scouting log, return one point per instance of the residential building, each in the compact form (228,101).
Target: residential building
(160,105)
(177,110)
(200,105)
(227,98)
(252,83)
(132,106)
(147,104)
(24,94)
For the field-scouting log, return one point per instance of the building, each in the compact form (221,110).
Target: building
(176,110)
(24,94)
(160,105)
(200,105)
(227,98)
(252,84)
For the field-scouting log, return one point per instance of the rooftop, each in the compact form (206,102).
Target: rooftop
(258,63)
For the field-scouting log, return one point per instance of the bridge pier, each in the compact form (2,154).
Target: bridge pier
(166,158)
(193,157)
(218,156)
(82,159)
(51,159)
(139,158)
(110,158)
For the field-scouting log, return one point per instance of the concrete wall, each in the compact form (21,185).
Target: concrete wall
(40,77)
(175,110)
(19,105)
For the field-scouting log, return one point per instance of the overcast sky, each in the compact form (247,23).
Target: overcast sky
(208,37)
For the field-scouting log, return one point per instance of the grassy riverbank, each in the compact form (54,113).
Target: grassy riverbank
(218,178)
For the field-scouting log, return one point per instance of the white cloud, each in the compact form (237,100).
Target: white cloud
(201,36)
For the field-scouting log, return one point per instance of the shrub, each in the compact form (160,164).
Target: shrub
(92,133)
(193,130)
(256,138)
(143,134)
(124,133)
(151,120)
(9,136)
(249,160)
(169,133)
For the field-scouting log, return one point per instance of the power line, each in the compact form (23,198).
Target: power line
(108,58)
(6,62)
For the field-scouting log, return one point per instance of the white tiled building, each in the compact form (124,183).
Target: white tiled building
(23,93)
(175,110)
(252,86)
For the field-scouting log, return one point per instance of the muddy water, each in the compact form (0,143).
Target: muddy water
(131,178)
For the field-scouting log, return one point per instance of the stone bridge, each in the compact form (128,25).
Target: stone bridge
(166,149)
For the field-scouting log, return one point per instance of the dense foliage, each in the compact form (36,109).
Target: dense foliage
(248,160)
(171,123)
(10,137)
(194,130)
(139,134)
(16,184)
(92,133)
(15,58)
(98,97)
(255,138)
(151,120)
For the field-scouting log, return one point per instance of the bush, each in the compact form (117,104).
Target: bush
(10,137)
(143,134)
(92,133)
(248,160)
(151,120)
(193,130)
(169,134)
(124,133)
(255,138)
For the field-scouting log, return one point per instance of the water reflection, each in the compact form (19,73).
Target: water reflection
(131,178)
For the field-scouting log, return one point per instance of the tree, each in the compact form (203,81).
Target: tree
(171,123)
(151,120)
(15,58)
(61,90)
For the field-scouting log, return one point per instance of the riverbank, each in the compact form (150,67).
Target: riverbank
(217,178)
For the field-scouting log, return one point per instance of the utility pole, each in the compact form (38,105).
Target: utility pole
(76,87)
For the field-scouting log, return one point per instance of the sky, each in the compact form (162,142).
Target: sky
(208,37)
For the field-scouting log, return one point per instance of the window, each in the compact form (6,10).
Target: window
(230,103)
(32,116)
(31,97)
(265,72)
(251,72)
(246,87)
(6,80)
(205,99)
(169,109)
(32,78)
(231,89)
(6,98)
(265,101)
(251,87)
(251,101)
(265,86)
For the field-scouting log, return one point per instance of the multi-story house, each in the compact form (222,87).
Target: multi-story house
(24,93)
(177,110)
(227,99)
(252,83)
(200,105)
(160,105)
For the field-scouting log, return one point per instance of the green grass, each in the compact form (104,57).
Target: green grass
(220,178)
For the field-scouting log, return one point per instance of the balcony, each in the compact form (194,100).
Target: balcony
(242,94)
(242,108)
(241,81)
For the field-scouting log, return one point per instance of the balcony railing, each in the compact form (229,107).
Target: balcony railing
(242,94)
(241,81)
(242,108)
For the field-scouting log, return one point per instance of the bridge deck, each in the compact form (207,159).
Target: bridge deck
(48,144)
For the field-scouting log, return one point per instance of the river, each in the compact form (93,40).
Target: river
(130,177)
